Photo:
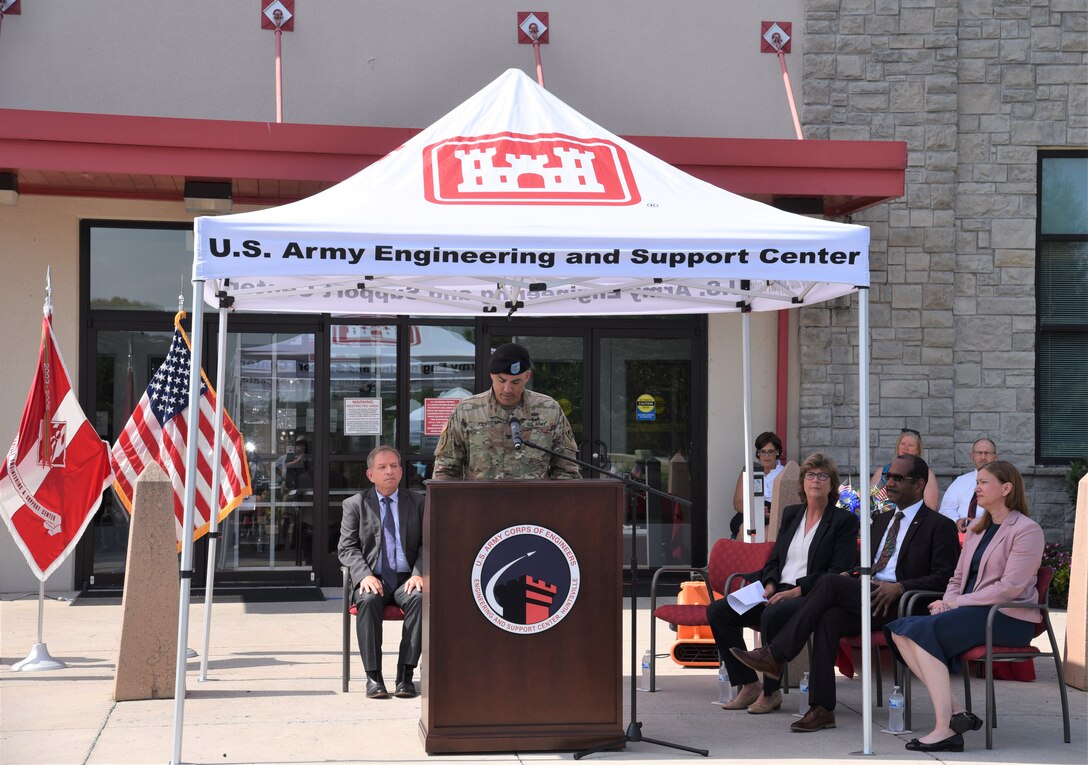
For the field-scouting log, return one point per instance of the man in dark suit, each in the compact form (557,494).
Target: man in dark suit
(914,548)
(381,542)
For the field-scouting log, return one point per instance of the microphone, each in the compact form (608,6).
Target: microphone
(515,432)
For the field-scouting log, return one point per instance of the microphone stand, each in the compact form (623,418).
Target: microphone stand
(633,489)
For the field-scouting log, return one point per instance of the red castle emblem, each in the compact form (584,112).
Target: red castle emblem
(512,168)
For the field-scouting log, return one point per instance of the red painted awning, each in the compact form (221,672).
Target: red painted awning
(75,154)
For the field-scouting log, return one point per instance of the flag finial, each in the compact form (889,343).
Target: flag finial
(47,308)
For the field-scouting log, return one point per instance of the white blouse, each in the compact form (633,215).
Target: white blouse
(796,566)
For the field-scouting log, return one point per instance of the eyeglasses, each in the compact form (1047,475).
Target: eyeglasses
(983,451)
(819,477)
(912,431)
(899,477)
(768,452)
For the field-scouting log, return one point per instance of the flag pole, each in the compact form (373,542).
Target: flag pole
(39,660)
(217,469)
(186,573)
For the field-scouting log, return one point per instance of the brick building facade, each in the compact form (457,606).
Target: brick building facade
(975,88)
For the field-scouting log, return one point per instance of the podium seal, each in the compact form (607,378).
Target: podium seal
(525,579)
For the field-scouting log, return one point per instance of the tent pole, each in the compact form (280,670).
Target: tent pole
(196,352)
(864,509)
(217,472)
(751,527)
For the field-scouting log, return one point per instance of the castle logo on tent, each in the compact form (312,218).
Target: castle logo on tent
(512,168)
(525,579)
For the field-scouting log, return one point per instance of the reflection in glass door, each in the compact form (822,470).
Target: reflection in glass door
(645,420)
(125,362)
(558,371)
(363,412)
(270,394)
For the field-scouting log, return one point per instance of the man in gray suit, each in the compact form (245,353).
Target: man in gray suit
(381,543)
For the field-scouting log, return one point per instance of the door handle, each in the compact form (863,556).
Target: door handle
(600,455)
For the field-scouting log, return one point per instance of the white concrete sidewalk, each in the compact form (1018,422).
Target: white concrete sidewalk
(273,697)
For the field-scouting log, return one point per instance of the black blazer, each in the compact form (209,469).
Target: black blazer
(361,532)
(929,553)
(834,547)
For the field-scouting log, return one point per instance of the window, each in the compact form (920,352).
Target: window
(140,267)
(1062,283)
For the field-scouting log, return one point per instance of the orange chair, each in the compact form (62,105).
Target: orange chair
(990,653)
(392,612)
(728,556)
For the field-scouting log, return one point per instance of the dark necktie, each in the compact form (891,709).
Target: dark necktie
(889,543)
(389,548)
(972,506)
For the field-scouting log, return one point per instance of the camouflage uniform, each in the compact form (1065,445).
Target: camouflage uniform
(476,443)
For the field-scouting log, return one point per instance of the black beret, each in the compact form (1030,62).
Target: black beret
(509,359)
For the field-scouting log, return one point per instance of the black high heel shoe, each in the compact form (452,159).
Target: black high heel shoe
(962,722)
(953,743)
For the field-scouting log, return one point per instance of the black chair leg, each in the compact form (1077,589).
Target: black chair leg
(877,676)
(346,648)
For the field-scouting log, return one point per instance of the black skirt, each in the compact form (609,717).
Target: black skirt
(949,634)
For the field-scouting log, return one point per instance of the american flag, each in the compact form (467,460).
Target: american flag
(158,431)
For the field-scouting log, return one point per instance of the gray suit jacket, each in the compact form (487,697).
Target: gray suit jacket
(361,532)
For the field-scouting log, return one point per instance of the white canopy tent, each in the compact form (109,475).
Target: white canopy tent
(515,203)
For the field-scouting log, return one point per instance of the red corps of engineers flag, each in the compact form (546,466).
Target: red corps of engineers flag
(159,431)
(53,476)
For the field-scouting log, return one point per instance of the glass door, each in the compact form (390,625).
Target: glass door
(559,371)
(644,416)
(631,392)
(269,391)
(125,360)
(362,406)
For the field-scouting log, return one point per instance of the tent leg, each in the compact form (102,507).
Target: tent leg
(753,528)
(196,352)
(217,472)
(863,462)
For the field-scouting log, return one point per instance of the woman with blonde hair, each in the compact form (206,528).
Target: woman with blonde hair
(910,442)
(999,562)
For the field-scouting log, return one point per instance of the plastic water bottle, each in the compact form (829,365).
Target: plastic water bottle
(725,687)
(803,693)
(644,683)
(896,707)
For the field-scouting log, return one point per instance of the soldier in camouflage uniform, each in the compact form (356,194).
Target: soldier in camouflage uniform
(476,443)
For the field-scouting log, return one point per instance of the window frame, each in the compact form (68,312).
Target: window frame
(1044,331)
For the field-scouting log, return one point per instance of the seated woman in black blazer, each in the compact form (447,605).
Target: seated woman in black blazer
(816,538)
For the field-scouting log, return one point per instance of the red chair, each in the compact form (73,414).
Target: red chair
(990,653)
(392,612)
(857,643)
(728,556)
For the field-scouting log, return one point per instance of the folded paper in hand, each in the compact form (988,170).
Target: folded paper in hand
(746,598)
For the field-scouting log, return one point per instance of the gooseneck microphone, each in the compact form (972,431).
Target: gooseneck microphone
(515,432)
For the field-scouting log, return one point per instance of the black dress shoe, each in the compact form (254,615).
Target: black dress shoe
(406,689)
(375,689)
(962,722)
(953,743)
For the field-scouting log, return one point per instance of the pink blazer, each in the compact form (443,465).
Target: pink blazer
(1007,570)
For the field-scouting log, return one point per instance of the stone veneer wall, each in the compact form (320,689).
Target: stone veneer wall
(973,87)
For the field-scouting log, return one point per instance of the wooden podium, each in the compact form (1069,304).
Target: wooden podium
(511,662)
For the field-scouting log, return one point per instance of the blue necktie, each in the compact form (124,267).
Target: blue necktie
(389,548)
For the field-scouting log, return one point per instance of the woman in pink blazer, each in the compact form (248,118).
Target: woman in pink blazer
(998,564)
